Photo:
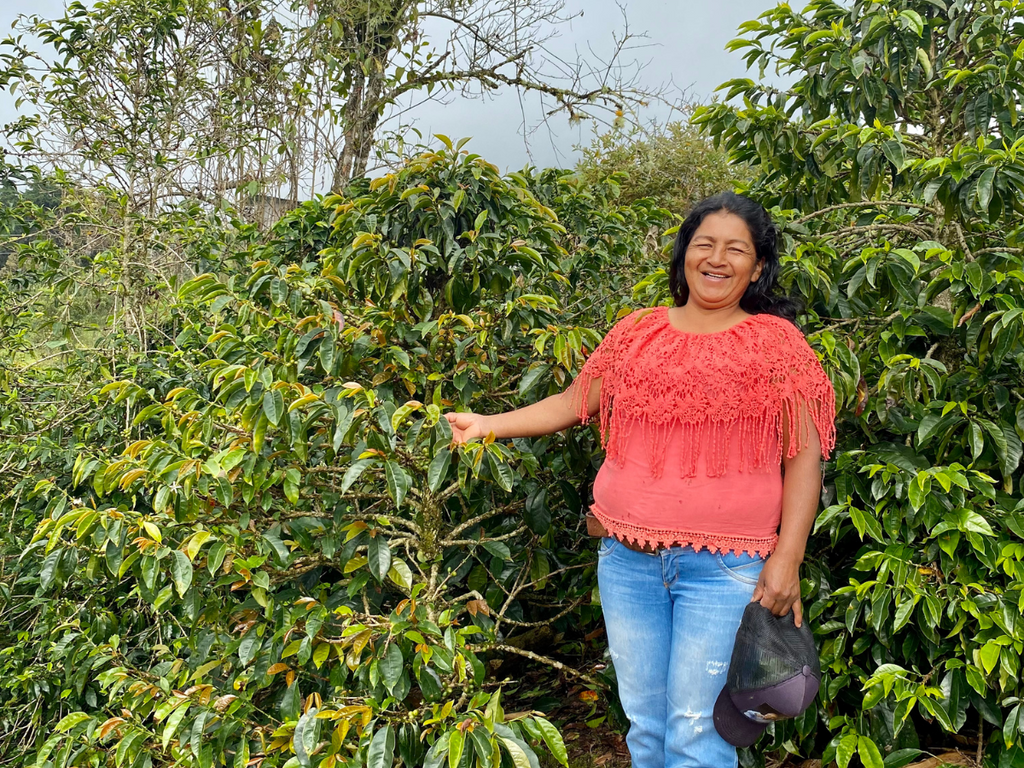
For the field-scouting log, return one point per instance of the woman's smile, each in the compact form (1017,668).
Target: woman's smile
(721,262)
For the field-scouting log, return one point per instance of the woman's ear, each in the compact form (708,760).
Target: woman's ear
(758,268)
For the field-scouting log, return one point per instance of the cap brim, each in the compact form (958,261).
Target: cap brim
(732,725)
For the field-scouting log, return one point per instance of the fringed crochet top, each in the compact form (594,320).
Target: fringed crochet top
(693,428)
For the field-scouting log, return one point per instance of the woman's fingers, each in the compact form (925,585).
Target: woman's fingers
(778,601)
(459,423)
(771,603)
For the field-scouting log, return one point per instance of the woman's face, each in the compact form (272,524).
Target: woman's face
(720,262)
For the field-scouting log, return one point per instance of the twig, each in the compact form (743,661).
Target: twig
(481,542)
(484,516)
(864,204)
(543,660)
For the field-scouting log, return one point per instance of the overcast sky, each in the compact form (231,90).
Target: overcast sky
(685,46)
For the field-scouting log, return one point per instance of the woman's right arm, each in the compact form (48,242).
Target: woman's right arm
(552,414)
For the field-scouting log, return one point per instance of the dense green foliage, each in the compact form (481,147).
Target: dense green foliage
(897,160)
(237,530)
(675,164)
(255,539)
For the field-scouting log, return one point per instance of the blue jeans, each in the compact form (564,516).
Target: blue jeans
(672,619)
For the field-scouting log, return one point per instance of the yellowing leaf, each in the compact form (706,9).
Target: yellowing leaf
(195,543)
(152,530)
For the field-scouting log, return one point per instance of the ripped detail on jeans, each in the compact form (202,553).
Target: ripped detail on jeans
(716,667)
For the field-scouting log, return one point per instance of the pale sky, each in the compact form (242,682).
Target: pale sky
(685,46)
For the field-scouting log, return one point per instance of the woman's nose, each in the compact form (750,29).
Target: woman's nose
(717,256)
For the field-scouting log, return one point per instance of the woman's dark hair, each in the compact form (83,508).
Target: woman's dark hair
(760,296)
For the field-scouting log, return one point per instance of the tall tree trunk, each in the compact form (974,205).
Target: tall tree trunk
(361,116)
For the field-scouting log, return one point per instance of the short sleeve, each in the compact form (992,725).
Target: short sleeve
(604,363)
(808,396)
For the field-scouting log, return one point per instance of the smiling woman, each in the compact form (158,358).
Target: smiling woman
(720,264)
(700,406)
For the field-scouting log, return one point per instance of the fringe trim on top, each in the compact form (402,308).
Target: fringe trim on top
(758,382)
(712,542)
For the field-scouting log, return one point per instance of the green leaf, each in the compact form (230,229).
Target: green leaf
(400,574)
(984,188)
(536,512)
(519,758)
(977,439)
(895,153)
(305,348)
(181,572)
(917,491)
(916,24)
(304,737)
(279,291)
(989,655)
(903,613)
(976,680)
(381,753)
(553,739)
(259,432)
(48,572)
(195,543)
(498,549)
(501,472)
(70,721)
(173,723)
(391,665)
(402,412)
(292,478)
(291,702)
(929,424)
(1011,727)
(242,753)
(215,557)
(273,406)
(198,728)
(114,555)
(925,62)
(438,469)
(869,754)
(399,483)
(974,523)
(353,473)
(456,743)
(532,376)
(378,556)
(846,750)
(249,647)
(320,654)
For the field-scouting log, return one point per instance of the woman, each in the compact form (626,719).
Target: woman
(715,414)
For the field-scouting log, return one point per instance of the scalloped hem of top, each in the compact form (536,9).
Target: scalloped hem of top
(712,542)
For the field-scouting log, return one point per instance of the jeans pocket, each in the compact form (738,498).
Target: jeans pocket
(607,545)
(742,567)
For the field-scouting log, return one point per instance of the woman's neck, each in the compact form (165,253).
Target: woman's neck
(695,319)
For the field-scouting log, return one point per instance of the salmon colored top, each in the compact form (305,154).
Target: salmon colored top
(692,425)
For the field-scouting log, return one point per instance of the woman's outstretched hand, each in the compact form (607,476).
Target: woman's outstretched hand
(778,588)
(466,426)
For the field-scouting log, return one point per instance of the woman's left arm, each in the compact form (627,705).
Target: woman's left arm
(778,588)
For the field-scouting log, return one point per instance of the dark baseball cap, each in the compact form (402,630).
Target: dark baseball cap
(774,675)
